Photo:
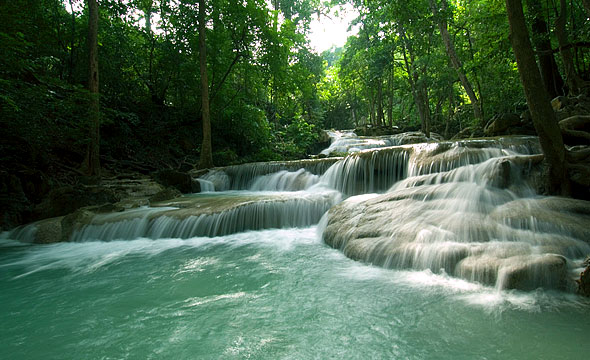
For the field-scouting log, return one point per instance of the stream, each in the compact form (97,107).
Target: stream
(395,251)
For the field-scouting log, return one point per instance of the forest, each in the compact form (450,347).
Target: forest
(146,85)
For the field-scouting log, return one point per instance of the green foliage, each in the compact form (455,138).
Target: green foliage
(398,51)
(269,92)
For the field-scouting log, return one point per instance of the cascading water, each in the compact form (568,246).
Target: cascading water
(346,141)
(213,215)
(240,271)
(456,212)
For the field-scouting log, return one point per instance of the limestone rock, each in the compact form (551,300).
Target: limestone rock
(559,103)
(49,231)
(180,180)
(509,243)
(584,280)
(502,124)
(529,273)
(576,130)
(67,199)
(166,194)
(15,207)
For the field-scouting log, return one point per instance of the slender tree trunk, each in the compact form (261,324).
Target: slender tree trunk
(417,92)
(72,38)
(573,81)
(549,72)
(450,47)
(391,93)
(206,159)
(372,107)
(587,6)
(91,165)
(380,121)
(538,101)
(424,102)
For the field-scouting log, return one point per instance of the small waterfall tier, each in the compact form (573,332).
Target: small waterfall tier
(247,176)
(208,214)
(376,170)
(467,209)
(211,216)
(346,141)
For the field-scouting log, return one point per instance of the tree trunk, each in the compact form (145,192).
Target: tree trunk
(450,47)
(538,101)
(587,6)
(549,72)
(91,165)
(372,111)
(573,81)
(380,121)
(72,39)
(417,92)
(424,103)
(206,158)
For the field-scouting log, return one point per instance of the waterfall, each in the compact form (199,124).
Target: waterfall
(466,209)
(343,142)
(367,171)
(376,170)
(285,181)
(242,177)
(217,216)
(206,185)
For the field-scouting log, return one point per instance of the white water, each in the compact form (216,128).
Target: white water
(203,277)
(347,142)
(466,210)
(462,208)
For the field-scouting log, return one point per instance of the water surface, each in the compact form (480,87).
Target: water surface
(272,294)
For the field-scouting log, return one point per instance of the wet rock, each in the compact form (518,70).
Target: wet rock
(559,103)
(57,229)
(49,231)
(584,280)
(501,123)
(575,130)
(179,180)
(166,194)
(67,199)
(369,130)
(477,232)
(35,184)
(15,207)
(528,273)
(469,132)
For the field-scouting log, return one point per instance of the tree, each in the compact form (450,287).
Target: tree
(549,71)
(206,158)
(538,101)
(572,78)
(450,48)
(91,165)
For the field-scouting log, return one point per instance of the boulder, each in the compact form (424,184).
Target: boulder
(179,180)
(584,280)
(49,231)
(67,199)
(56,229)
(469,132)
(15,207)
(559,103)
(576,130)
(531,272)
(480,233)
(501,123)
(166,194)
